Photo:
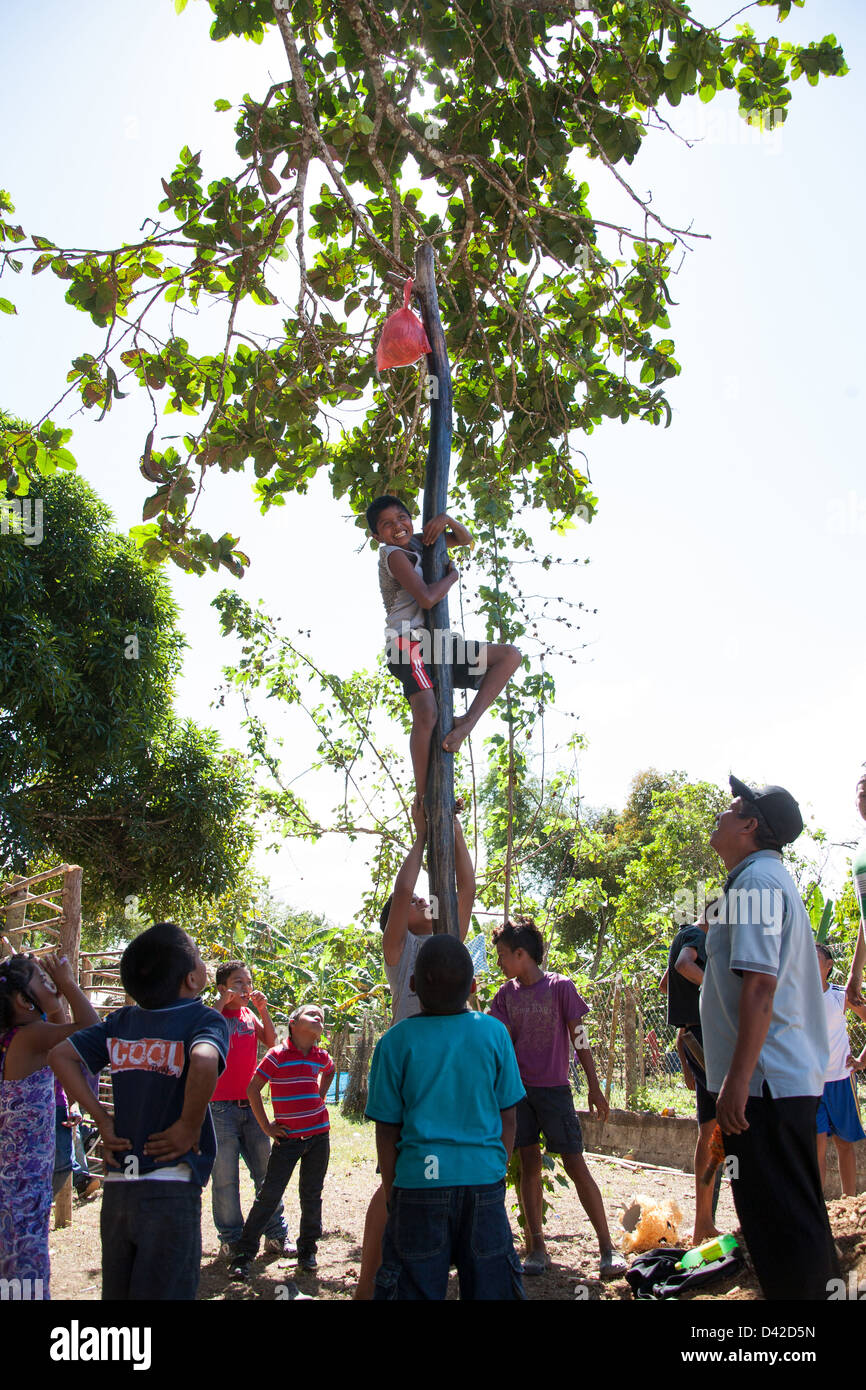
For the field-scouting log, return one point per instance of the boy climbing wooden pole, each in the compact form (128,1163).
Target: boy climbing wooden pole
(415,575)
(439,792)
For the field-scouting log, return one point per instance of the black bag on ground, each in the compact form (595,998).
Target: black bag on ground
(654,1276)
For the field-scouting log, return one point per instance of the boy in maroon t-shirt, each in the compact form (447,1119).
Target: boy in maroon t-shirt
(543,1013)
(237,1130)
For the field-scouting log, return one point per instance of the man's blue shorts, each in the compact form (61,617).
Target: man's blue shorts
(838,1111)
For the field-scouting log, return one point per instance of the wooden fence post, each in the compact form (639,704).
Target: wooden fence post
(628,1038)
(611,1051)
(63,1205)
(14,916)
(641,1041)
(355,1100)
(70,922)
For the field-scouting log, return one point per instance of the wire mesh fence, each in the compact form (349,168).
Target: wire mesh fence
(633,1047)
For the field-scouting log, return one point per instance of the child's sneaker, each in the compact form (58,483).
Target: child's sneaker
(536,1262)
(239,1270)
(308,1261)
(226,1249)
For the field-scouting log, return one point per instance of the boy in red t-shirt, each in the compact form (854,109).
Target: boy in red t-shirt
(238,1133)
(299,1074)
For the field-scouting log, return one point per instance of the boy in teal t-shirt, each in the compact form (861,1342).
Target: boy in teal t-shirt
(443,1090)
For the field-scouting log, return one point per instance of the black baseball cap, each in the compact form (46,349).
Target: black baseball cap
(776,806)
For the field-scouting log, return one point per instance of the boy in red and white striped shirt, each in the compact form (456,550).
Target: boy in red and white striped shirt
(298,1073)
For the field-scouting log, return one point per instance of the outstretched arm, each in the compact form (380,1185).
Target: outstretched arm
(394,936)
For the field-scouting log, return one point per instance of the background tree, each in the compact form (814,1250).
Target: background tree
(470,126)
(476,128)
(675,871)
(95,767)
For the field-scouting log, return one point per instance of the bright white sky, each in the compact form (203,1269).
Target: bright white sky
(726,559)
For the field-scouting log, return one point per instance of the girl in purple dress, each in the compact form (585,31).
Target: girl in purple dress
(31,1022)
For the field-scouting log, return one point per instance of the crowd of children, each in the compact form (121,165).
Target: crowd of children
(450,1094)
(453,1091)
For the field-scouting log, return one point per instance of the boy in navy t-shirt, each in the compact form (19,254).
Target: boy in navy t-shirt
(165,1054)
(443,1090)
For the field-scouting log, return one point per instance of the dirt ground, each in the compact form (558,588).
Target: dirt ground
(75,1251)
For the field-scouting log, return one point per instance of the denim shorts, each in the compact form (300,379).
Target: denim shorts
(428,1230)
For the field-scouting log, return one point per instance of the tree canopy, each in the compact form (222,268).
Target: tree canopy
(94,765)
(474,126)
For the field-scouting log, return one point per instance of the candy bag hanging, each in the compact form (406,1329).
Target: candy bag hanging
(403,338)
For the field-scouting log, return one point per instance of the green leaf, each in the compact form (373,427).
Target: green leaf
(7,307)
(222,105)
(826,919)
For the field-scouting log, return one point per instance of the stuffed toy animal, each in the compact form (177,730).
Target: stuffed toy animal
(648,1224)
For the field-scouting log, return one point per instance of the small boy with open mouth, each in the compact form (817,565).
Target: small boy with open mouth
(299,1072)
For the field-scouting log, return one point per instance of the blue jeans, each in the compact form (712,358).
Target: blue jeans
(151,1240)
(239,1135)
(313,1155)
(428,1230)
(68,1154)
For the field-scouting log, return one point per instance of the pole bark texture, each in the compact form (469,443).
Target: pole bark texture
(70,922)
(439,798)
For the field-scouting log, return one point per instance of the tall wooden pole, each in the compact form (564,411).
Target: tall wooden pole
(439,799)
(70,922)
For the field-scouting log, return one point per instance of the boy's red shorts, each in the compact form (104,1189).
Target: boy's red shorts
(416,675)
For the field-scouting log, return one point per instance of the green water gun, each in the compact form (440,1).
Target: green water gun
(713,1249)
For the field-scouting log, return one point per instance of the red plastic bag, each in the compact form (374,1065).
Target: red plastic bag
(403,338)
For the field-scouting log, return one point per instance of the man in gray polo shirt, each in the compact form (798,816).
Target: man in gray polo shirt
(765,1044)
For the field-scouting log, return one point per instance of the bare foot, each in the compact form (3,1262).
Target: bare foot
(611,1265)
(462,728)
(700,1236)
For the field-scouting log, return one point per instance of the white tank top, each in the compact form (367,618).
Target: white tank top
(404,1000)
